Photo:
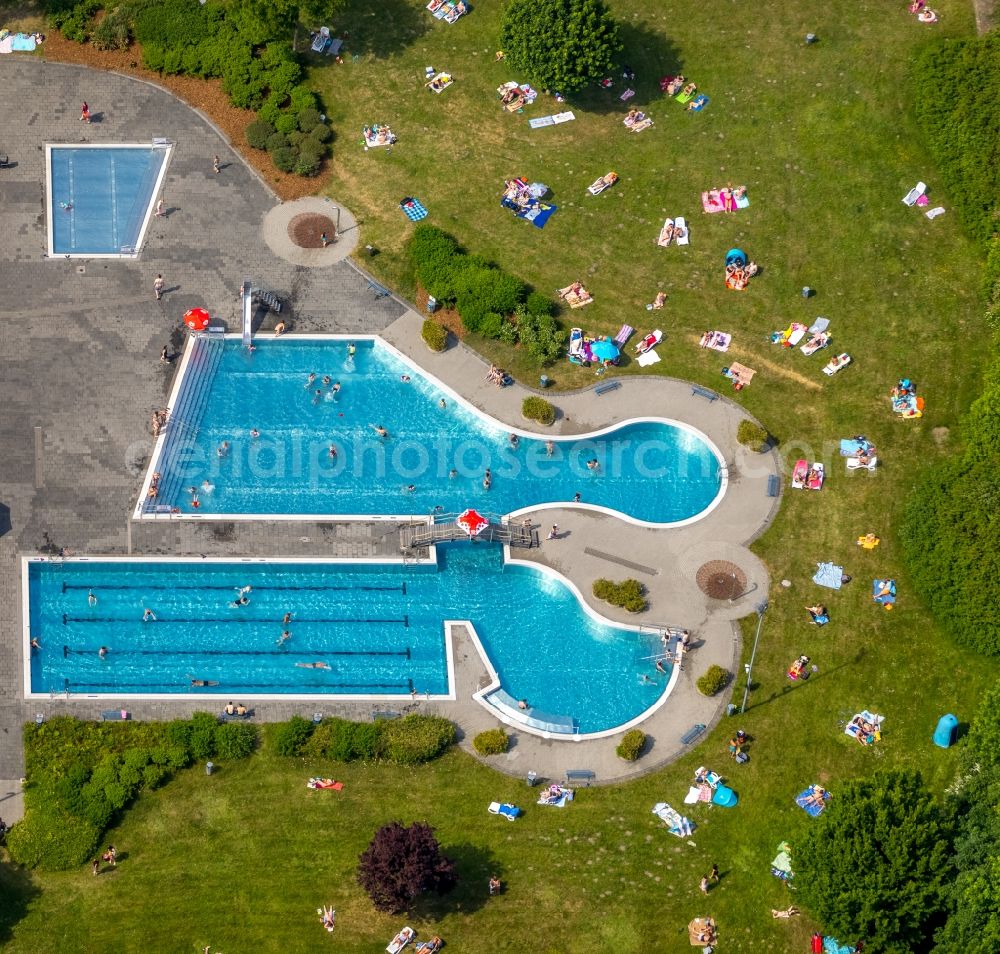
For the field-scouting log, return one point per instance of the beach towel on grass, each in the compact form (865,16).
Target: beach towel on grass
(698,103)
(554,120)
(22,43)
(811,808)
(538,214)
(413,209)
(828,574)
(647,358)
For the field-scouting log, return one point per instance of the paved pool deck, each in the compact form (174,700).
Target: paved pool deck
(80,374)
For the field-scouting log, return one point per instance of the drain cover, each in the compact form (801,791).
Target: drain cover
(721,580)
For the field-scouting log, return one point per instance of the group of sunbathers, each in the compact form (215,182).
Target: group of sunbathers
(737,276)
(154,486)
(866,731)
(553,794)
(727,197)
(923,14)
(496,375)
(511,98)
(238,710)
(575,294)
(671,232)
(636,120)
(516,192)
(158,421)
(798,670)
(379,134)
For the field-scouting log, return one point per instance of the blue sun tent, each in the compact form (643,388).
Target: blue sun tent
(946,733)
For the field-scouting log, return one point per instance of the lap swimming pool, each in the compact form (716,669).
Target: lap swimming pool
(378,628)
(100,198)
(328,426)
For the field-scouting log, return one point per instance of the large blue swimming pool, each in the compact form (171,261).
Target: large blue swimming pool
(100,197)
(379,628)
(434,458)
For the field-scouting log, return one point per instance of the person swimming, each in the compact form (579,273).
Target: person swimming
(313,665)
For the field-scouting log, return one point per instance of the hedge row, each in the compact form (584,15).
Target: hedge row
(490,302)
(957,95)
(258,68)
(629,594)
(82,774)
(407,741)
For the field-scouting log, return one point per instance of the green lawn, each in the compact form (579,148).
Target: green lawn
(823,137)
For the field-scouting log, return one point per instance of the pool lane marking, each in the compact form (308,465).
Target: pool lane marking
(86,686)
(159,621)
(287,653)
(263,588)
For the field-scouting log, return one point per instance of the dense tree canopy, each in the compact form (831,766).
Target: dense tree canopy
(401,863)
(951,532)
(561,45)
(876,866)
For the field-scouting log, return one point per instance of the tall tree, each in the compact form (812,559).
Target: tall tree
(402,863)
(561,45)
(877,864)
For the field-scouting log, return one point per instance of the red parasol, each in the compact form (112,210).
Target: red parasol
(472,522)
(197,319)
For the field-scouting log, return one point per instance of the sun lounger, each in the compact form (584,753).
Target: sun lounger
(506,810)
(400,940)
(716,340)
(935,212)
(853,463)
(623,335)
(799,473)
(322,40)
(603,183)
(429,947)
(816,476)
(819,325)
(915,193)
(650,341)
(676,823)
(836,364)
(816,343)
(813,800)
(681,234)
(575,342)
(648,358)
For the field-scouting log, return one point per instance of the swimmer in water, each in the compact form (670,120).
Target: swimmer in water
(207,486)
(196,683)
(103,652)
(91,599)
(442,404)
(313,665)
(550,448)
(380,430)
(351,349)
(332,452)
(286,619)
(148,615)
(254,433)
(310,380)
(223,449)
(283,638)
(326,380)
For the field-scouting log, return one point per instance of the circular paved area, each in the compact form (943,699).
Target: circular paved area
(275,232)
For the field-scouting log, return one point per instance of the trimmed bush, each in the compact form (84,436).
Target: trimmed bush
(416,738)
(276,141)
(321,133)
(290,738)
(309,119)
(308,163)
(258,133)
(540,336)
(752,435)
(203,726)
(491,325)
(629,594)
(434,335)
(491,742)
(536,408)
(52,840)
(714,680)
(631,745)
(539,304)
(235,740)
(285,158)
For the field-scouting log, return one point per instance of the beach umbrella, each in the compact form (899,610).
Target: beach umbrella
(197,319)
(472,522)
(604,350)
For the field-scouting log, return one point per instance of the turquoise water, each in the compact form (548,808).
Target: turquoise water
(434,458)
(109,191)
(378,627)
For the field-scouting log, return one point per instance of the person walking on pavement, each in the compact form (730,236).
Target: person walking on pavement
(158,284)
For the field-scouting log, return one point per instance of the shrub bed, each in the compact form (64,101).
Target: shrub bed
(631,745)
(82,774)
(629,594)
(491,742)
(538,409)
(489,301)
(713,680)
(435,336)
(752,435)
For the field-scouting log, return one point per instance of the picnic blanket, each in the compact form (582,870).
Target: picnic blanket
(681,234)
(378,135)
(18,43)
(674,820)
(439,82)
(537,214)
(829,575)
(641,125)
(575,300)
(865,727)
(712,201)
(553,120)
(413,209)
(447,10)
(325,783)
(555,795)
(810,807)
(884,592)
(739,374)
(716,340)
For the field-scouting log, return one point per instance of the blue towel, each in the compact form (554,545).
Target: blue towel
(827,574)
(809,807)
(886,599)
(413,209)
(538,214)
(698,104)
(22,43)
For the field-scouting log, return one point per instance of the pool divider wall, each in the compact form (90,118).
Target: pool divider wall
(505,715)
(156,144)
(379,342)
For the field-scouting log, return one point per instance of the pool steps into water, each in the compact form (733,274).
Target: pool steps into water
(186,415)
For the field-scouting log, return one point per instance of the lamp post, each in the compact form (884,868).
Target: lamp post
(761,610)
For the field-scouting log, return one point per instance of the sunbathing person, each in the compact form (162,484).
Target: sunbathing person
(816,797)
(690,89)
(675,85)
(752,269)
(633,118)
(327,917)
(660,300)
(728,200)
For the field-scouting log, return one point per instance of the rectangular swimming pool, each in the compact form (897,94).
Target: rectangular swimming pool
(101,198)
